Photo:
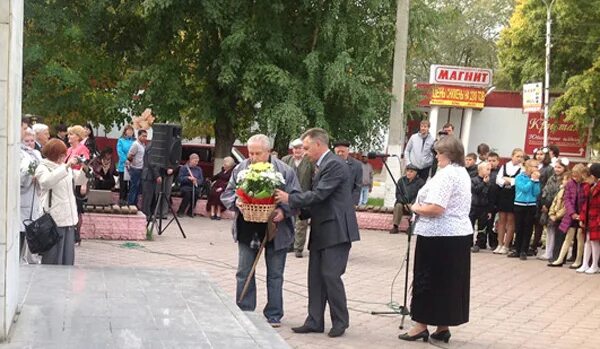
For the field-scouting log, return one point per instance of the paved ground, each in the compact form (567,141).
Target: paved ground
(131,308)
(514,304)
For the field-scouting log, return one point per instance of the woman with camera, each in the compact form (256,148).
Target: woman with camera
(56,176)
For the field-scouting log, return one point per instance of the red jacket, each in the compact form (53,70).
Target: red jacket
(590,214)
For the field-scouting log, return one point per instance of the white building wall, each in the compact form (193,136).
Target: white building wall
(11,46)
(503,129)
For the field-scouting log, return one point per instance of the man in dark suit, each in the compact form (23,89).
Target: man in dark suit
(333,229)
(342,149)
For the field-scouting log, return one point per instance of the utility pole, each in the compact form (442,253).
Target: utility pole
(547,77)
(396,128)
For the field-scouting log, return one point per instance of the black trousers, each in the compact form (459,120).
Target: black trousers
(559,240)
(479,215)
(492,236)
(424,173)
(325,286)
(188,203)
(123,187)
(524,219)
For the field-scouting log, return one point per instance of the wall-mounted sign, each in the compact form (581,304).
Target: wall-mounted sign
(562,133)
(461,76)
(532,98)
(457,96)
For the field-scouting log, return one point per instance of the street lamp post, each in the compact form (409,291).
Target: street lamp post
(547,72)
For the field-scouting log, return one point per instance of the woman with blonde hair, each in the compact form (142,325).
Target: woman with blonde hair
(76,134)
(506,200)
(569,226)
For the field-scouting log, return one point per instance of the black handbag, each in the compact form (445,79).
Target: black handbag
(41,234)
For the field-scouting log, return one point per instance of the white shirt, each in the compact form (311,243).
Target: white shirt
(450,188)
(511,170)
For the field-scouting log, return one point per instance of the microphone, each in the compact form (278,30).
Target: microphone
(374,155)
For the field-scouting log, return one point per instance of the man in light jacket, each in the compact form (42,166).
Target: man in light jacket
(418,150)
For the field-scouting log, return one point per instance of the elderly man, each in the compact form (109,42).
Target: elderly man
(418,151)
(42,135)
(304,170)
(367,180)
(342,149)
(333,228)
(244,232)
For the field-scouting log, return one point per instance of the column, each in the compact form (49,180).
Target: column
(11,44)
(434,113)
(466,128)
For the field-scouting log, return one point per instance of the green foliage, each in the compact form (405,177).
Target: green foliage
(214,62)
(454,32)
(574,61)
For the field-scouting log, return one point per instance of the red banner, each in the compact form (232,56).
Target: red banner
(560,132)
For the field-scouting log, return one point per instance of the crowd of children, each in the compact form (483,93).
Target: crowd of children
(535,198)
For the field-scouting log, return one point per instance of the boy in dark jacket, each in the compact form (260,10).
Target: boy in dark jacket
(480,205)
(470,164)
(406,193)
(494,161)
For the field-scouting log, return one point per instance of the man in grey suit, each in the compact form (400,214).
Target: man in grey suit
(342,149)
(333,229)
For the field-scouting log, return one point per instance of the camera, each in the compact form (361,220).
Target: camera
(82,160)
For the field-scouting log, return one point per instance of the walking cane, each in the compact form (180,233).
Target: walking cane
(270,230)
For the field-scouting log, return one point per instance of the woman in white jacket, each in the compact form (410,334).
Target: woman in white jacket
(56,180)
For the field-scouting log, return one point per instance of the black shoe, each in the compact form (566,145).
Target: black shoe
(523,256)
(179,214)
(336,332)
(217,218)
(441,336)
(475,249)
(212,218)
(305,329)
(422,335)
(394,230)
(531,253)
(555,265)
(513,254)
(191,215)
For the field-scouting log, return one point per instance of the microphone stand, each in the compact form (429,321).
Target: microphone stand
(404,310)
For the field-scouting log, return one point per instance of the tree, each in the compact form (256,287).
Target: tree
(454,32)
(574,56)
(305,63)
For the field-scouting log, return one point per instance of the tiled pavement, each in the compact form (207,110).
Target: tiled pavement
(514,304)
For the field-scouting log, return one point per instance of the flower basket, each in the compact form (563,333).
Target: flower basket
(255,191)
(258,213)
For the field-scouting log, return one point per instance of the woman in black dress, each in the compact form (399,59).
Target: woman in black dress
(219,183)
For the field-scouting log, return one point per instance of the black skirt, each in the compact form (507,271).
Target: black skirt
(442,280)
(506,200)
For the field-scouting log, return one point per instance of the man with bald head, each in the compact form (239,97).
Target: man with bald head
(249,234)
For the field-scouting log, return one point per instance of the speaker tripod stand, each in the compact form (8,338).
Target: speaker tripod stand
(158,213)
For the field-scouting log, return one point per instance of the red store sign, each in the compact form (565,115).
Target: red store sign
(560,132)
(462,76)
